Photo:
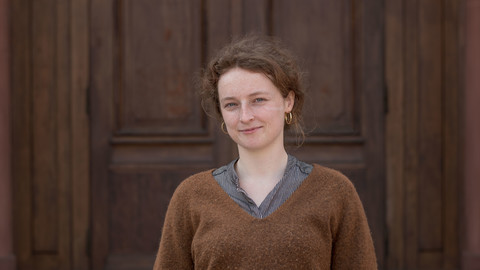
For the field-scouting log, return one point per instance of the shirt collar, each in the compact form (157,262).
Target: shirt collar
(232,176)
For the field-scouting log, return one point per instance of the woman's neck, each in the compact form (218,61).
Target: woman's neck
(268,165)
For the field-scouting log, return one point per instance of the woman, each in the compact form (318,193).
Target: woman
(266,209)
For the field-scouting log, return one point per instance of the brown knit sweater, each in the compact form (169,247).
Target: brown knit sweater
(321,226)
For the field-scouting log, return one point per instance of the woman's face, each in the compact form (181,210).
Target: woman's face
(253,109)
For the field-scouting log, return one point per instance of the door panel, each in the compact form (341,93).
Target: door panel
(148,129)
(159,46)
(321,34)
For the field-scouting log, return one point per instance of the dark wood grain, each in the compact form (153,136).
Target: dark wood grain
(21,132)
(395,140)
(101,123)
(422,134)
(106,122)
(80,167)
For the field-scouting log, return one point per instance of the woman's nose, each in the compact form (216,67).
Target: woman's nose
(246,114)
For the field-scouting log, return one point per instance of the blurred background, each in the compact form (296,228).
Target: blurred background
(99,120)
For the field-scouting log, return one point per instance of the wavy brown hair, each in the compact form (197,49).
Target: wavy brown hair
(256,53)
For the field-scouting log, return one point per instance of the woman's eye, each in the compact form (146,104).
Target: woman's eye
(259,100)
(229,105)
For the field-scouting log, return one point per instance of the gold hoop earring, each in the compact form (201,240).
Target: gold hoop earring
(224,128)
(288,118)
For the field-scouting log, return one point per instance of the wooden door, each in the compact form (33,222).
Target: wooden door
(148,131)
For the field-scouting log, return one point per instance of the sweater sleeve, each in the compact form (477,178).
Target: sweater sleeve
(175,244)
(353,246)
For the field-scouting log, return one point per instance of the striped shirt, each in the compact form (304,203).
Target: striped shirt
(295,172)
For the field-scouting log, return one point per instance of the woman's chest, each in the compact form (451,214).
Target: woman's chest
(236,239)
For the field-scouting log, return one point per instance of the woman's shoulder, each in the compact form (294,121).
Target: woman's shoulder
(195,182)
(331,179)
(189,191)
(334,185)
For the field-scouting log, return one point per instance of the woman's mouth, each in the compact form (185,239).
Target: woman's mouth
(249,130)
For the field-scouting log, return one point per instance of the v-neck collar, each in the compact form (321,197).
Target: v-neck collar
(285,205)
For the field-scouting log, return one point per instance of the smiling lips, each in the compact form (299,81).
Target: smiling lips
(249,130)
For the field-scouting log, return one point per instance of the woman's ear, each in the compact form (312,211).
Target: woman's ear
(289,101)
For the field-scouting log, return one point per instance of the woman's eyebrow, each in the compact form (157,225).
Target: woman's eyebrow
(227,98)
(250,95)
(258,93)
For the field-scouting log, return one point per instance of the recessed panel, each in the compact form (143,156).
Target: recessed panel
(159,52)
(322,35)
